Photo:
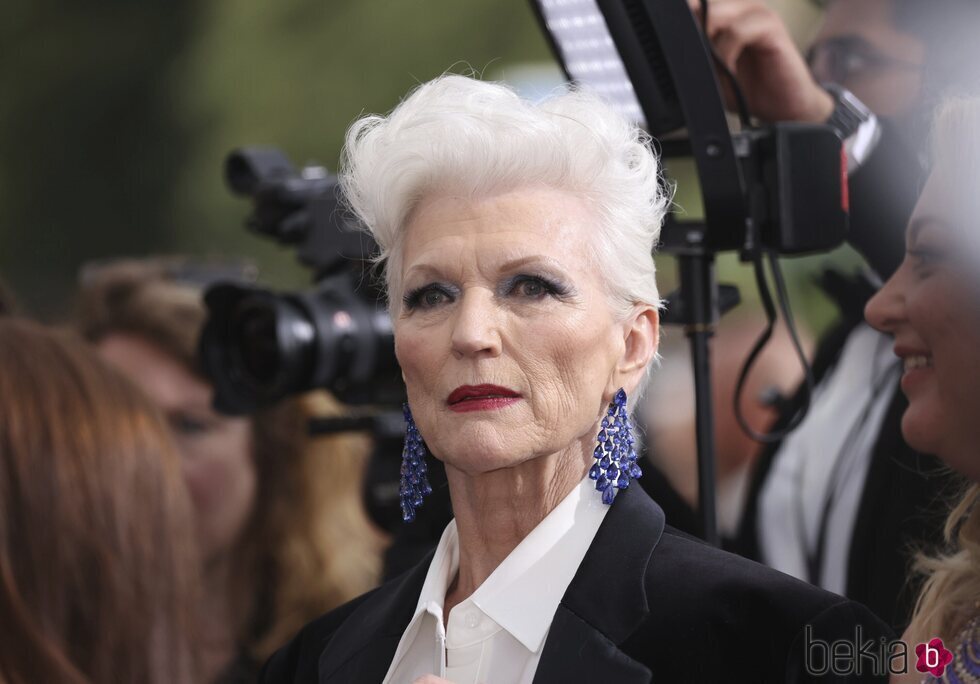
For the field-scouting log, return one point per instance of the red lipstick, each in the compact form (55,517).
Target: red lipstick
(481,398)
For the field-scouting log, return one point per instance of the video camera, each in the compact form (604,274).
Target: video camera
(260,346)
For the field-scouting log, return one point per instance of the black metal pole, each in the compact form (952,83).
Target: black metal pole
(699,292)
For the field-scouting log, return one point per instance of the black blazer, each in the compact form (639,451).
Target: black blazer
(647,603)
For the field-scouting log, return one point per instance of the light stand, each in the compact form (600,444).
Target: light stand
(775,190)
(657,44)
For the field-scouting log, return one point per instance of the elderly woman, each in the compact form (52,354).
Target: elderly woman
(518,246)
(931,306)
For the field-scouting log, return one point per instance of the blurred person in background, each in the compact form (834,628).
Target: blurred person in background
(931,308)
(668,415)
(281,541)
(843,498)
(98,566)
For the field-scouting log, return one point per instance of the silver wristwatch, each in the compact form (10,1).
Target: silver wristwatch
(849,112)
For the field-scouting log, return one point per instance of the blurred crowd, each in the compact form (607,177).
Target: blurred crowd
(147,537)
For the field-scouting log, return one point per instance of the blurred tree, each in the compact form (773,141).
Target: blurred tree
(91,148)
(116,116)
(296,73)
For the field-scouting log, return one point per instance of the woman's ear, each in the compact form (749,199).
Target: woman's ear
(642,338)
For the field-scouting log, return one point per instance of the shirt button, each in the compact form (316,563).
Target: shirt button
(472,619)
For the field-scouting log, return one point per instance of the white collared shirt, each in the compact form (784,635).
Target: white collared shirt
(498,633)
(818,476)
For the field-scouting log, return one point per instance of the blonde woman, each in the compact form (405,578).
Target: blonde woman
(931,306)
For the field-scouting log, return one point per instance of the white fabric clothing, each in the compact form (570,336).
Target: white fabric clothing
(498,633)
(818,475)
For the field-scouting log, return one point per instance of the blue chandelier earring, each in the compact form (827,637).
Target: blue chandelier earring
(415,481)
(615,451)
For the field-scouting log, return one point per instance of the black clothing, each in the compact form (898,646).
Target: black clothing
(883,193)
(242,670)
(906,494)
(647,603)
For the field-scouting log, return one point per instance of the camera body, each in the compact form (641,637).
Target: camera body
(797,180)
(259,346)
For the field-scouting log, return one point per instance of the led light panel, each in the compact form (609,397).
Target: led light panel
(590,55)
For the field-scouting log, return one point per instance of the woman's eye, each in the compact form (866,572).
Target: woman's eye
(428,297)
(532,287)
(432,298)
(188,426)
(924,260)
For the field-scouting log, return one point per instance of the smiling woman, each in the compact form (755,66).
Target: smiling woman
(517,241)
(931,306)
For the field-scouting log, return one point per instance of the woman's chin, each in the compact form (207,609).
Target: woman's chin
(477,454)
(922,428)
(482,462)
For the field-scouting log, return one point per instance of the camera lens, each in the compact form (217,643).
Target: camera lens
(260,353)
(274,344)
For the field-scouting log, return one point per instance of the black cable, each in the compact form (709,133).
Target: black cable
(741,104)
(762,284)
(763,339)
(783,296)
(767,304)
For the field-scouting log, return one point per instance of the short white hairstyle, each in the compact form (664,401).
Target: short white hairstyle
(474,138)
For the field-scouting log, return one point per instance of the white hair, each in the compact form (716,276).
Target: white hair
(956,148)
(461,135)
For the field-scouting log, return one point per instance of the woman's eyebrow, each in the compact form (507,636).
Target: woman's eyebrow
(533,259)
(424,269)
(433,271)
(918,224)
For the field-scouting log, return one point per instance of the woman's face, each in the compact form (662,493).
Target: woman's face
(932,308)
(504,331)
(216,449)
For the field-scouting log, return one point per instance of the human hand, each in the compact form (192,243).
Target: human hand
(754,43)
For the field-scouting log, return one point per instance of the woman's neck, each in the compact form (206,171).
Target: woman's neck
(495,511)
(219,637)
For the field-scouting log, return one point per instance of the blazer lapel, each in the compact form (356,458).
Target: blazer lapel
(606,601)
(364,649)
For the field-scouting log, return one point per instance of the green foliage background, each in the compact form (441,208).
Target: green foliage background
(115,117)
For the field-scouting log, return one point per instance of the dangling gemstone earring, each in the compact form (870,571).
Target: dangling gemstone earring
(615,453)
(415,482)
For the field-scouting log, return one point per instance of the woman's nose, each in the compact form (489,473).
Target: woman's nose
(886,309)
(475,326)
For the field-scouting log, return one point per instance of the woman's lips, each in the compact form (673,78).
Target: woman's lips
(916,367)
(481,398)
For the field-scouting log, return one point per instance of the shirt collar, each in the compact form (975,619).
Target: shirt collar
(524,591)
(442,571)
